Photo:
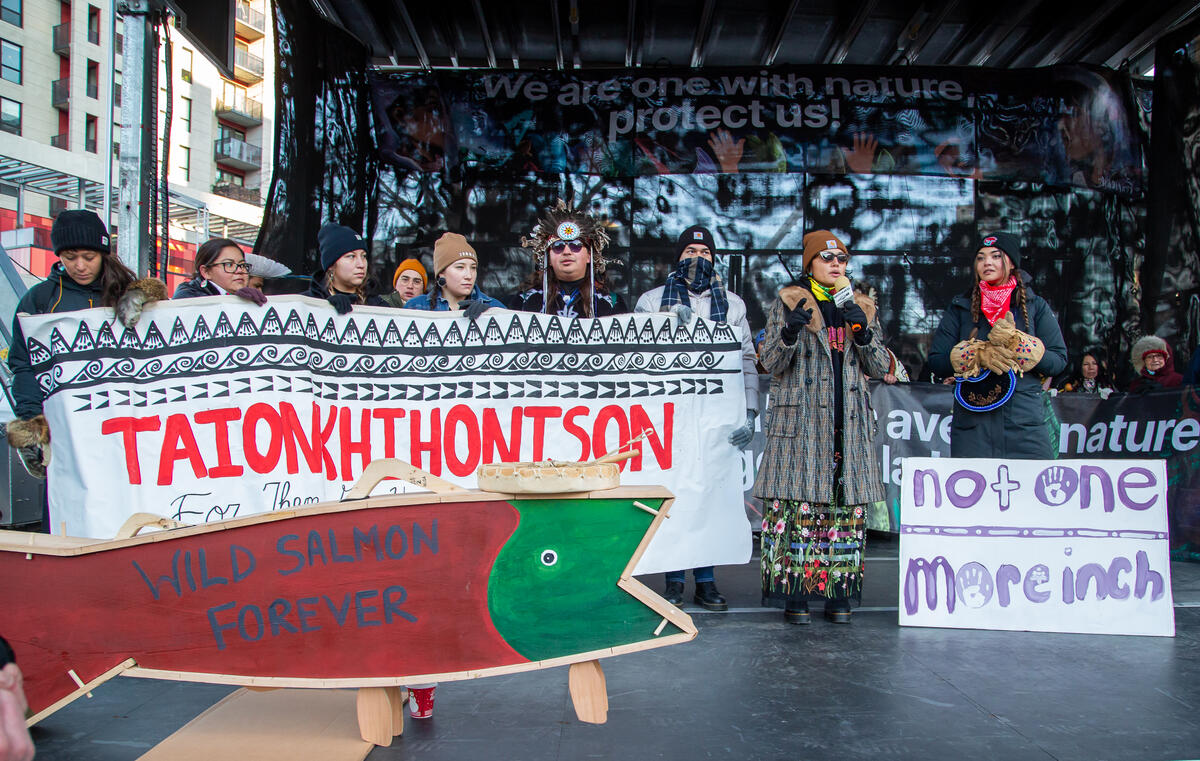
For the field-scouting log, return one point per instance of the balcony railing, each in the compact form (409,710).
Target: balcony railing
(247,65)
(238,153)
(240,109)
(62,39)
(238,193)
(251,22)
(61,141)
(60,93)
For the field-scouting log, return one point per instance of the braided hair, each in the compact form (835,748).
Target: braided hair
(1020,296)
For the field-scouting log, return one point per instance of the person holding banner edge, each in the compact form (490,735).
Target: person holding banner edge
(343,270)
(455,269)
(220,268)
(994,339)
(818,471)
(695,289)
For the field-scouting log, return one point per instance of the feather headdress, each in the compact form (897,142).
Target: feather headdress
(565,222)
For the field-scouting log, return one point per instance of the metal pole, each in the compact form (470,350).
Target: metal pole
(139,76)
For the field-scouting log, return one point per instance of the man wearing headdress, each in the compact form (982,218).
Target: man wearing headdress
(568,277)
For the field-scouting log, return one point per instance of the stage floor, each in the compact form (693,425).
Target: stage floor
(752,687)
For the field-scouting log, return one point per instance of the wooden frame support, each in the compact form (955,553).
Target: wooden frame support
(589,693)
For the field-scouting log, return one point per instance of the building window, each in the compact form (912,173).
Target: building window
(89,134)
(10,11)
(185,162)
(93,25)
(10,116)
(10,66)
(185,113)
(93,79)
(234,132)
(229,178)
(185,65)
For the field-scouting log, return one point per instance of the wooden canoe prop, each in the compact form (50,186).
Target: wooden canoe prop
(371,593)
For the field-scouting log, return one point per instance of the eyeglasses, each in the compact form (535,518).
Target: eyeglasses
(559,246)
(829,256)
(231,267)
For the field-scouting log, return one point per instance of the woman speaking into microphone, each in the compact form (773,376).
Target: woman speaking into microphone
(818,470)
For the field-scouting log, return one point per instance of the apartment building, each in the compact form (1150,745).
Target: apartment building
(60,95)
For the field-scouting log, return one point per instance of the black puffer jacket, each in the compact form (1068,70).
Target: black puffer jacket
(317,289)
(57,293)
(194,288)
(1018,429)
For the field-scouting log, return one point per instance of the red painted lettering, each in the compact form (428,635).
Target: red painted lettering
(179,443)
(129,428)
(577,431)
(661,445)
(389,418)
(461,414)
(259,461)
(600,431)
(220,420)
(495,448)
(315,451)
(540,415)
(350,447)
(433,446)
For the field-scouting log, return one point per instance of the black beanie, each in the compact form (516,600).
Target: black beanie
(695,234)
(334,241)
(78,228)
(1006,242)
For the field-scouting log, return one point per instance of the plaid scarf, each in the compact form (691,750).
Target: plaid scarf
(697,275)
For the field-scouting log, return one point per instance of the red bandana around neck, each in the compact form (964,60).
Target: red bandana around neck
(996,299)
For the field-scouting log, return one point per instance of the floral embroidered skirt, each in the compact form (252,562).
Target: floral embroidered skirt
(811,551)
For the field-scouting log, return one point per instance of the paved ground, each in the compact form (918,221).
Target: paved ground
(751,687)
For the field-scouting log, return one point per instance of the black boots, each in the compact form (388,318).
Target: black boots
(838,611)
(708,596)
(797,613)
(674,593)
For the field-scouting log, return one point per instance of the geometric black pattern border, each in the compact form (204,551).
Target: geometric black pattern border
(343,391)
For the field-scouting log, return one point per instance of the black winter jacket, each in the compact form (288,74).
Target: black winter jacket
(57,293)
(1018,429)
(317,289)
(194,288)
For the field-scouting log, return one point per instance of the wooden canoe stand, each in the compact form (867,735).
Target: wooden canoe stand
(380,700)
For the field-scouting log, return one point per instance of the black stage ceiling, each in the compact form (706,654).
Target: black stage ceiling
(591,34)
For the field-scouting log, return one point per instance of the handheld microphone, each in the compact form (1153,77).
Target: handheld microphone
(843,294)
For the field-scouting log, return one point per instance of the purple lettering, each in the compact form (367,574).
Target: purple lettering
(1006,574)
(1085,574)
(979,483)
(1116,589)
(1086,474)
(1035,577)
(919,488)
(1136,478)
(912,601)
(1146,577)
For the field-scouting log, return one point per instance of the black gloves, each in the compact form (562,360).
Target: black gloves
(856,320)
(473,308)
(793,321)
(342,302)
(255,295)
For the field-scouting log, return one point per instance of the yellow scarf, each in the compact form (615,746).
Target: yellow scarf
(821,292)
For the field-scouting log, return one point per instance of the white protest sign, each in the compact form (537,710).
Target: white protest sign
(1032,545)
(214,407)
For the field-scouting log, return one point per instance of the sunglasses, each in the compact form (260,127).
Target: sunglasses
(829,256)
(559,246)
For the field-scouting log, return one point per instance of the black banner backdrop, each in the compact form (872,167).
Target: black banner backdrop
(914,421)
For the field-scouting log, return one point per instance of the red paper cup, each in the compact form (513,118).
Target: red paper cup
(420,702)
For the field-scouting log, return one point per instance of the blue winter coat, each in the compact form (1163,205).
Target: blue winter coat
(421,301)
(1018,429)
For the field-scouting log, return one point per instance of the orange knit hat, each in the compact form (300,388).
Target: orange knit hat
(414,265)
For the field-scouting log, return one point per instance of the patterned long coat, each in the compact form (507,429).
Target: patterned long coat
(798,461)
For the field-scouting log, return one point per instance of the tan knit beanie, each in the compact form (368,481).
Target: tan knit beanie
(821,240)
(449,249)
